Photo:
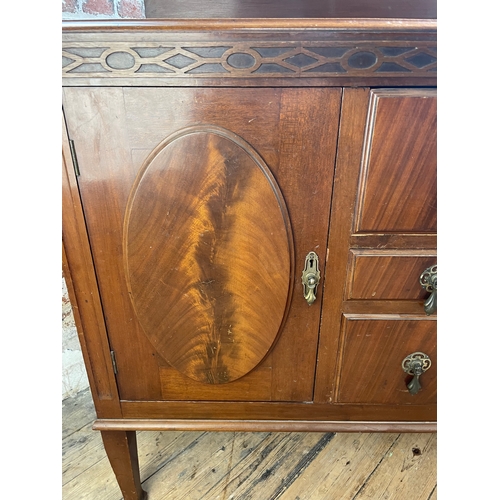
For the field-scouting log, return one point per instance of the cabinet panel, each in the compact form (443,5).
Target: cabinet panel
(252,387)
(371,367)
(398,183)
(115,131)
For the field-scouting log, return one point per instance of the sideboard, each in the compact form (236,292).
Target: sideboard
(249,218)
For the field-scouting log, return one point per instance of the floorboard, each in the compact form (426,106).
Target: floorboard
(251,466)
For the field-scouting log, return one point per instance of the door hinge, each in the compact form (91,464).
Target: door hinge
(113,361)
(73,157)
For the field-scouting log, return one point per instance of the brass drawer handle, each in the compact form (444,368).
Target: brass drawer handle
(415,364)
(429,281)
(310,277)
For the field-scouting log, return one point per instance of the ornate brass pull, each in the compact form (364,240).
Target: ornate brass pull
(429,281)
(415,364)
(310,277)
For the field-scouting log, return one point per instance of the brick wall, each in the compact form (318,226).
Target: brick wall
(102,9)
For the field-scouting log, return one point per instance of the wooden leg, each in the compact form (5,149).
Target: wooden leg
(121,448)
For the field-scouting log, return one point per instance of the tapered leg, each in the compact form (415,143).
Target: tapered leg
(121,448)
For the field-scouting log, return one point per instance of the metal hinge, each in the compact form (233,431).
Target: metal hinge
(113,360)
(73,157)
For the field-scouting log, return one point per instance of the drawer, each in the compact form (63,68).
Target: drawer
(378,275)
(398,186)
(372,357)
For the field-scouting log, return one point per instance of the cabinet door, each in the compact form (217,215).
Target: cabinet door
(201,206)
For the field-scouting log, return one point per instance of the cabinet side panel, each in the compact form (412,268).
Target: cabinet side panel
(82,287)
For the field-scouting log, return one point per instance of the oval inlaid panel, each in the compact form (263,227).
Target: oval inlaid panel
(208,254)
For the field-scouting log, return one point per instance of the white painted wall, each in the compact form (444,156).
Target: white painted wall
(74,376)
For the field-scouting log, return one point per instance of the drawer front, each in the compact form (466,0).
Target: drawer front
(381,276)
(397,190)
(372,357)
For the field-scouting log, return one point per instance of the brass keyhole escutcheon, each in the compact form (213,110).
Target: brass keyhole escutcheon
(429,281)
(415,364)
(310,277)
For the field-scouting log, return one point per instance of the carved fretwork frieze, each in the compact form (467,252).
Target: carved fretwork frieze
(249,59)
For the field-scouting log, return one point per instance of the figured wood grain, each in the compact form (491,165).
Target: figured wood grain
(378,275)
(398,184)
(373,352)
(208,254)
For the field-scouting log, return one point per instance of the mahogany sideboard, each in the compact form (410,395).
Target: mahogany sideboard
(249,218)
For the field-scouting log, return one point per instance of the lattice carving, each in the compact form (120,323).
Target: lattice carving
(249,59)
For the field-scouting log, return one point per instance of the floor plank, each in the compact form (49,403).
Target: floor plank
(79,451)
(77,411)
(251,466)
(407,471)
(341,468)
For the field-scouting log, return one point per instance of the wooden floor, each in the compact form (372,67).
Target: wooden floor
(251,466)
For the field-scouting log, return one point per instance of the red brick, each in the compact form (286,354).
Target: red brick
(69,6)
(98,7)
(131,8)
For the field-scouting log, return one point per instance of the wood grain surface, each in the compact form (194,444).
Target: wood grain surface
(115,130)
(196,202)
(208,253)
(371,359)
(424,9)
(398,186)
(388,274)
(83,290)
